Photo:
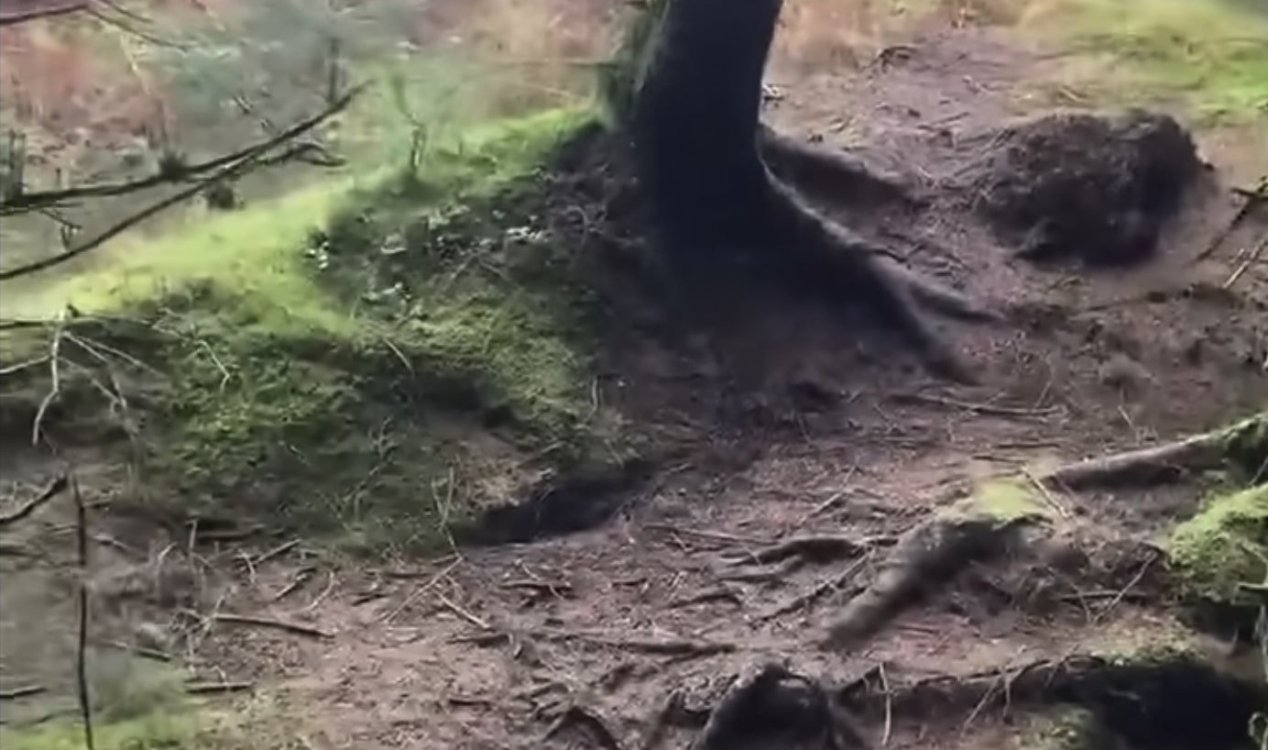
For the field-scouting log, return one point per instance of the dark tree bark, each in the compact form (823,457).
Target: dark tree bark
(696,131)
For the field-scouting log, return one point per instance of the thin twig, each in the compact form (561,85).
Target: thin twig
(12,19)
(302,577)
(1003,411)
(251,159)
(716,536)
(418,592)
(1251,258)
(21,692)
(212,688)
(277,551)
(81,655)
(266,622)
(1047,495)
(55,488)
(55,375)
(19,367)
(464,614)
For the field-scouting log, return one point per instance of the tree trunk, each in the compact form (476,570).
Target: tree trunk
(696,132)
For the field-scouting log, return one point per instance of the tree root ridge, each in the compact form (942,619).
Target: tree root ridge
(1177,702)
(838,172)
(928,554)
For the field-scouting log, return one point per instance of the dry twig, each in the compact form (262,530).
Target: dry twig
(215,688)
(588,719)
(266,622)
(9,694)
(991,409)
(55,488)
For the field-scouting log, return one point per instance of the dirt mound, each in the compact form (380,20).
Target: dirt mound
(1088,186)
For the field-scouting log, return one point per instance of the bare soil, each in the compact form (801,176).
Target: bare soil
(779,419)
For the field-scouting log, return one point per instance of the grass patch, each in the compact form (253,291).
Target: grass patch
(370,359)
(180,724)
(159,730)
(1212,53)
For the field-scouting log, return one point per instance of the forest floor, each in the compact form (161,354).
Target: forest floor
(775,420)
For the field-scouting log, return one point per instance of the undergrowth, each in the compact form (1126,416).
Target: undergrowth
(371,359)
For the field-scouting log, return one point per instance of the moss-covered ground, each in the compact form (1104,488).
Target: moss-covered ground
(327,359)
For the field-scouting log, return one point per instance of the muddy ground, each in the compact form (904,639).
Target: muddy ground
(783,419)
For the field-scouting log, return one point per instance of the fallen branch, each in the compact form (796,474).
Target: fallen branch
(1161,463)
(835,583)
(55,488)
(30,201)
(1252,257)
(265,622)
(216,688)
(10,694)
(990,409)
(277,551)
(13,19)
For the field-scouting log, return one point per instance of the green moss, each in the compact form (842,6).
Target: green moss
(328,360)
(1008,499)
(1223,545)
(1215,54)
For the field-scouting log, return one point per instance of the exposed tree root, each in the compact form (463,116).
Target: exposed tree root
(1245,443)
(929,553)
(811,549)
(776,704)
(696,131)
(820,168)
(836,583)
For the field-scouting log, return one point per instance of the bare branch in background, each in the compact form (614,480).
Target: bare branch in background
(42,199)
(40,10)
(223,168)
